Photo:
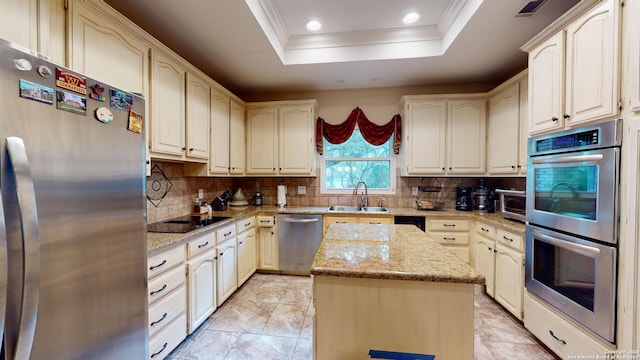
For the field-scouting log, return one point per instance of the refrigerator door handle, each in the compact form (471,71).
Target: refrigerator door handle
(31,241)
(4,268)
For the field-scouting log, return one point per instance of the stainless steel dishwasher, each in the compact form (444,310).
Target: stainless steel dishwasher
(299,236)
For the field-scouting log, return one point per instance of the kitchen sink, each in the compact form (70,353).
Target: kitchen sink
(370,209)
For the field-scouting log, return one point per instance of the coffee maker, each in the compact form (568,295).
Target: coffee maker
(463,198)
(481,197)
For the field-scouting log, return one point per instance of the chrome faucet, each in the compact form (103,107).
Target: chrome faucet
(553,198)
(364,198)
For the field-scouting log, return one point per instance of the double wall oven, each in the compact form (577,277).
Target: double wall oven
(572,230)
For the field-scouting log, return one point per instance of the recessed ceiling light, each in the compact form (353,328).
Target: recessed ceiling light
(314,25)
(410,18)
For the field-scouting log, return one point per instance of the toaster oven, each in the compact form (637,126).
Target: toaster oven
(513,204)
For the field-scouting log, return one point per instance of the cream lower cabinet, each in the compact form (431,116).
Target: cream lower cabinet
(444,136)
(167,301)
(281,138)
(247,249)
(201,268)
(453,234)
(227,257)
(500,258)
(267,243)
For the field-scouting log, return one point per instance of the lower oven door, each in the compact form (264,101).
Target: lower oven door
(576,276)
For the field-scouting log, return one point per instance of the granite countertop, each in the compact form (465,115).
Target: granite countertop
(400,252)
(158,242)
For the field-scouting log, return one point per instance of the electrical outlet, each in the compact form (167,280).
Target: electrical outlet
(200,194)
(302,190)
(414,191)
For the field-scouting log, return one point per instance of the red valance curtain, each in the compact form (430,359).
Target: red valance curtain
(372,133)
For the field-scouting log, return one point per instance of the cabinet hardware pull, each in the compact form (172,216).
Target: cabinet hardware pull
(227,234)
(506,238)
(566,116)
(449,238)
(161,350)
(153,323)
(557,338)
(157,266)
(449,225)
(184,148)
(247,224)
(159,291)
(221,254)
(341,222)
(513,166)
(483,229)
(519,166)
(241,242)
(190,149)
(555,118)
(203,245)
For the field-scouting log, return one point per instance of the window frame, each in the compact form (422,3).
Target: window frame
(392,174)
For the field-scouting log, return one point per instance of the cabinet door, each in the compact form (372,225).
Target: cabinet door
(485,262)
(523,134)
(503,143)
(219,161)
(246,255)
(546,83)
(509,279)
(202,289)
(237,139)
(167,106)
(197,121)
(296,140)
(262,140)
(592,64)
(227,270)
(467,136)
(425,136)
(268,249)
(19,22)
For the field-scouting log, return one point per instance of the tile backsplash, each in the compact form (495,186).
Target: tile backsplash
(179,200)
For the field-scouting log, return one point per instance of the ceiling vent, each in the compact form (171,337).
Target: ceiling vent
(530,8)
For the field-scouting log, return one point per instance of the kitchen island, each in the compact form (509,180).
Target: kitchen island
(390,287)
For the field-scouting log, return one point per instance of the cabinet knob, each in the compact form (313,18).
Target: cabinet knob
(554,118)
(148,162)
(450,167)
(566,116)
(519,166)
(513,166)
(184,148)
(190,149)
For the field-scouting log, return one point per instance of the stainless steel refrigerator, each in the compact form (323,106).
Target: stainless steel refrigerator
(73,262)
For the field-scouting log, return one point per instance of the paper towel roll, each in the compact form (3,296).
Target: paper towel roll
(282,195)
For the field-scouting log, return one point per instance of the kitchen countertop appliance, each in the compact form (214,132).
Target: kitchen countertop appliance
(463,198)
(513,204)
(73,266)
(299,237)
(481,198)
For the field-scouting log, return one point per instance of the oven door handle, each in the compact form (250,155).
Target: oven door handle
(569,159)
(576,248)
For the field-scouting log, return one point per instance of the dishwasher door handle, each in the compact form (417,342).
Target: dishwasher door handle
(294,220)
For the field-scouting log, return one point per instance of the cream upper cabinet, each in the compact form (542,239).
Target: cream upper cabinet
(167,107)
(219,157)
(574,75)
(467,136)
(425,129)
(36,24)
(237,138)
(444,135)
(261,141)
(197,117)
(508,130)
(280,138)
(296,140)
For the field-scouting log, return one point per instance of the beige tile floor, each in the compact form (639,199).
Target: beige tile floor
(269,317)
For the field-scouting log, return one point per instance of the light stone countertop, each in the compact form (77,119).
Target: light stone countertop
(399,252)
(158,242)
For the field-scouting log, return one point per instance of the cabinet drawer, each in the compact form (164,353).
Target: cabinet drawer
(460,251)
(245,224)
(164,261)
(375,220)
(511,240)
(486,230)
(163,312)
(450,238)
(166,283)
(448,225)
(168,338)
(201,244)
(226,233)
(558,333)
(266,221)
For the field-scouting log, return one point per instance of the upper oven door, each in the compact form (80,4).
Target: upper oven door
(575,193)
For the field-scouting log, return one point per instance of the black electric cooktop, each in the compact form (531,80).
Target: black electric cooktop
(184,224)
